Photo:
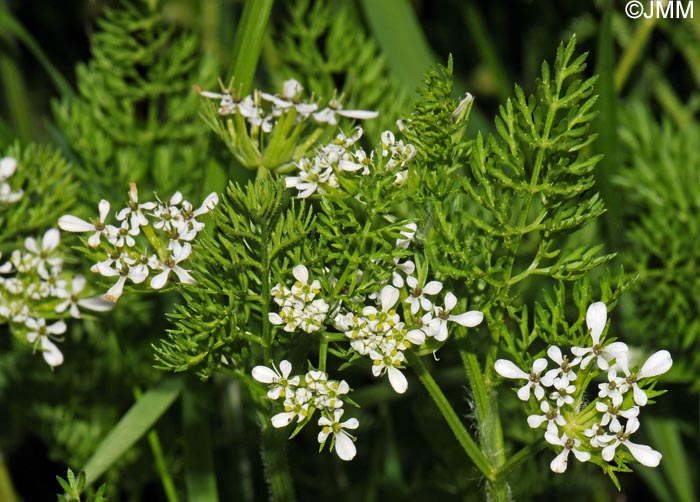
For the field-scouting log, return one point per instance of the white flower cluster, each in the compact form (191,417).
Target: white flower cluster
(333,162)
(262,110)
(35,291)
(383,335)
(169,227)
(300,307)
(611,418)
(302,395)
(8,166)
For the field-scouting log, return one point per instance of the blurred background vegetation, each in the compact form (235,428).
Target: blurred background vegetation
(119,75)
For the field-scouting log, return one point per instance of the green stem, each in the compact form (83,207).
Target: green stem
(453,421)
(161,465)
(248,43)
(633,51)
(274,456)
(515,460)
(15,91)
(7,491)
(489,423)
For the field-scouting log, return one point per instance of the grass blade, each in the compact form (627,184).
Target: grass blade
(132,426)
(200,478)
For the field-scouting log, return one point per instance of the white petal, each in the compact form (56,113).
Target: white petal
(51,239)
(554,354)
(596,317)
(263,374)
(52,355)
(560,461)
(115,291)
(301,274)
(184,276)
(582,456)
(96,303)
(397,380)
(416,337)
(351,423)
(57,328)
(159,280)
(640,397)
(103,208)
(616,349)
(609,451)
(658,363)
(468,319)
(539,365)
(282,419)
(508,369)
(358,114)
(450,301)
(285,368)
(534,421)
(344,446)
(432,288)
(644,454)
(389,297)
(71,223)
(524,392)
(275,318)
(7,167)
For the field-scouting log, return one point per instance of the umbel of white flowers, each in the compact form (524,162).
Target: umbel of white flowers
(36,293)
(611,418)
(153,238)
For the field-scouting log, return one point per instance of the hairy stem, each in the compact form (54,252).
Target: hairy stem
(453,421)
(274,455)
(489,426)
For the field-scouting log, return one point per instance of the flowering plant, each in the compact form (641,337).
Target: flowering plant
(324,272)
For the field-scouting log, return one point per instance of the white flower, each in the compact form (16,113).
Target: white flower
(615,389)
(311,178)
(644,454)
(291,94)
(39,334)
(278,380)
(189,215)
(596,317)
(301,289)
(72,299)
(8,165)
(438,325)
(327,115)
(126,270)
(386,318)
(179,253)
(597,436)
(71,223)
(611,412)
(565,367)
(122,235)
(387,359)
(343,442)
(564,392)
(551,416)
(508,369)
(658,363)
(561,461)
(407,267)
(295,405)
(408,233)
(135,209)
(49,243)
(416,297)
